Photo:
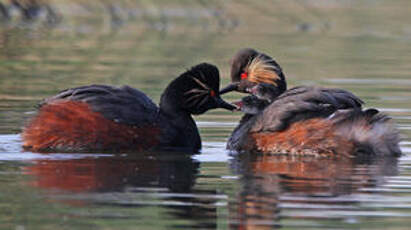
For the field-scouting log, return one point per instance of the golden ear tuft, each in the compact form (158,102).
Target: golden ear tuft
(260,70)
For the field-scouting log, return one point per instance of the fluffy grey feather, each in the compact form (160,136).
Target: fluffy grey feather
(301,103)
(372,132)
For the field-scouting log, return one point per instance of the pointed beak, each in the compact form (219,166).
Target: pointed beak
(238,104)
(225,105)
(231,87)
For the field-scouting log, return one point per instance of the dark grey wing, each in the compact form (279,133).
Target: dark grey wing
(121,104)
(337,97)
(301,103)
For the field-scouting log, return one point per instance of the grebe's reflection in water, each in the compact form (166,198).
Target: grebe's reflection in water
(159,181)
(279,189)
(115,173)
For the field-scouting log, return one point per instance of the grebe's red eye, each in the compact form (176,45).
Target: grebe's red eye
(244,75)
(212,93)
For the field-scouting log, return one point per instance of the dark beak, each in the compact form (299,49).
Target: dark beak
(225,105)
(238,104)
(231,87)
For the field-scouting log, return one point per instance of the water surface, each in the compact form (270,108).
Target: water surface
(362,46)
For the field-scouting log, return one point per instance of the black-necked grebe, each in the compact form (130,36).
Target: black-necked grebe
(107,118)
(304,120)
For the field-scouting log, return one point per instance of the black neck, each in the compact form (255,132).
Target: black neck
(179,130)
(179,125)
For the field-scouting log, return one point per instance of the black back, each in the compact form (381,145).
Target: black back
(124,104)
(304,102)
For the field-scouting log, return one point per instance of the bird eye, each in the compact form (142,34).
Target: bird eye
(212,93)
(244,75)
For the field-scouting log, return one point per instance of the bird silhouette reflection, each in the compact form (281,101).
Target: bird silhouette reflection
(271,183)
(166,179)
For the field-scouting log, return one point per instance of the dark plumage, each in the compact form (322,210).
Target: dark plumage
(265,91)
(249,68)
(120,104)
(308,120)
(251,105)
(107,118)
(302,103)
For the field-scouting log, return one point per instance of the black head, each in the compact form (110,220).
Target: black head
(239,63)
(195,91)
(250,67)
(251,104)
(264,91)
